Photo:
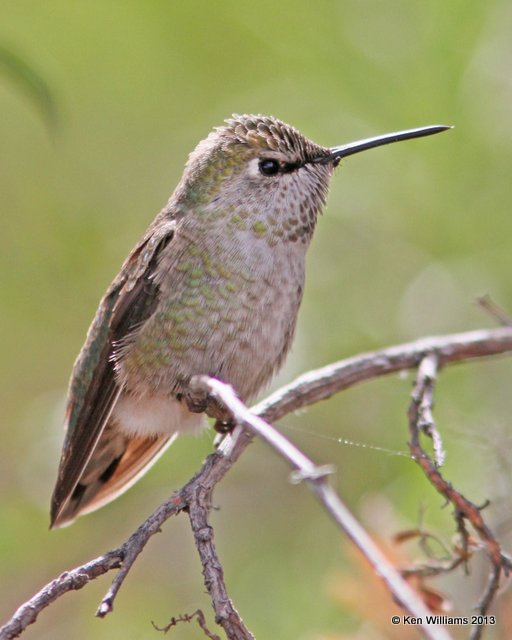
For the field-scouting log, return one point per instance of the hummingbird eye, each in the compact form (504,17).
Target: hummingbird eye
(268,167)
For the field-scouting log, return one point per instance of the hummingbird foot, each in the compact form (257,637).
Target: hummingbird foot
(199,400)
(196,399)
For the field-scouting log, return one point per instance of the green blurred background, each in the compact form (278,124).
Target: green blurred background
(100,103)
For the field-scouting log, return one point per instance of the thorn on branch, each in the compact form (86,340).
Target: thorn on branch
(494,310)
(316,473)
(484,505)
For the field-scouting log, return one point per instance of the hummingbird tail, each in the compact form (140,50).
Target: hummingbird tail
(117,463)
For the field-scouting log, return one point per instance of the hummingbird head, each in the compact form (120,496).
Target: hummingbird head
(262,174)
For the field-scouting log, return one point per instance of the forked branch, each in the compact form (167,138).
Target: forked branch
(421,403)
(195,496)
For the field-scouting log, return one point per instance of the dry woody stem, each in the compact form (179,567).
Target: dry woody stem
(421,402)
(195,497)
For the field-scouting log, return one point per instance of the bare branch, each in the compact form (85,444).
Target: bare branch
(428,372)
(68,581)
(316,477)
(225,613)
(464,509)
(306,390)
(320,384)
(195,498)
(486,600)
(135,544)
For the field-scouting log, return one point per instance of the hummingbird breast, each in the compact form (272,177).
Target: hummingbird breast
(228,306)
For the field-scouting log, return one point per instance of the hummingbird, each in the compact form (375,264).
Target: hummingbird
(212,288)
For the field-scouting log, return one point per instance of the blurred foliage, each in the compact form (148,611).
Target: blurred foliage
(25,76)
(412,234)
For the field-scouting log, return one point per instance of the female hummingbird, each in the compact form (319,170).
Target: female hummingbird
(213,288)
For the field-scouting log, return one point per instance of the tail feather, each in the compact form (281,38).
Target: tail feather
(117,463)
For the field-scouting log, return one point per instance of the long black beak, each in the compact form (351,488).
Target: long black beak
(336,153)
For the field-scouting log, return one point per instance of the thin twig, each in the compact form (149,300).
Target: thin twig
(485,601)
(68,581)
(195,498)
(188,617)
(320,384)
(426,422)
(494,310)
(225,613)
(135,544)
(464,509)
(433,569)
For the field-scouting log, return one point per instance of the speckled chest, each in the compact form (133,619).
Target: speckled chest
(229,298)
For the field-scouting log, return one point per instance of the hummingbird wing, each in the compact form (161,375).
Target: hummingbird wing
(93,392)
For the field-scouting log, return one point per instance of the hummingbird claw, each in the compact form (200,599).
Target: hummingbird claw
(196,403)
(199,400)
(222,427)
